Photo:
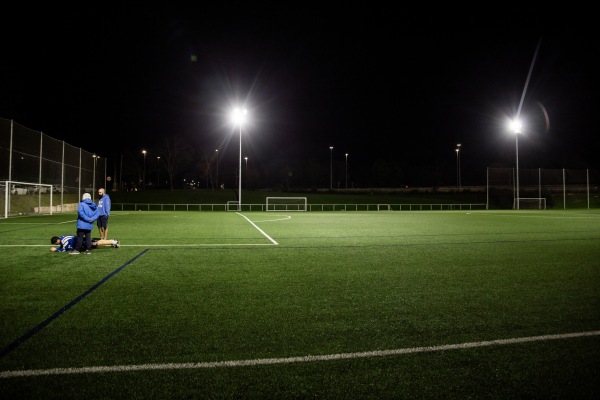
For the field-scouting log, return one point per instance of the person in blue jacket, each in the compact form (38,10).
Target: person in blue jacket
(104,208)
(87,214)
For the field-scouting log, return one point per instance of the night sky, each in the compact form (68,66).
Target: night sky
(394,86)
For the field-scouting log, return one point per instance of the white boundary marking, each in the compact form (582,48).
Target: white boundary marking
(289,360)
(260,230)
(276,219)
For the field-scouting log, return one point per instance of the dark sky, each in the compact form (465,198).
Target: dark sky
(391,85)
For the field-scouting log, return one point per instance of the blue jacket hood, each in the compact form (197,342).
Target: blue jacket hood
(93,206)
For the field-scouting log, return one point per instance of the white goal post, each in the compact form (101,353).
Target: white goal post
(286,204)
(22,198)
(530,203)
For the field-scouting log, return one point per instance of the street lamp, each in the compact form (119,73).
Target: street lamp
(144,175)
(458,180)
(94,176)
(516,128)
(157,171)
(246,158)
(238,117)
(331,168)
(217,150)
(346,170)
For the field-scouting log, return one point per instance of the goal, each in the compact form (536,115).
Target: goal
(531,203)
(23,198)
(286,204)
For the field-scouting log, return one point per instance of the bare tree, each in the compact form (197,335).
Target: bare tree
(175,153)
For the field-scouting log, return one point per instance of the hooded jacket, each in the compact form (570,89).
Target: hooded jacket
(87,214)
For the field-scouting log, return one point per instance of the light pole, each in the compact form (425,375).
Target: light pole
(218,186)
(516,128)
(94,176)
(238,117)
(157,171)
(246,158)
(458,180)
(144,175)
(346,170)
(331,168)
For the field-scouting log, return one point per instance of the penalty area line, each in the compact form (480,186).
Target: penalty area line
(291,360)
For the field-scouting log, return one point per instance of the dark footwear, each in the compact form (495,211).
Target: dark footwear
(87,252)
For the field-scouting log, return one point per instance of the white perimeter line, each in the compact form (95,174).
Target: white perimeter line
(260,230)
(288,360)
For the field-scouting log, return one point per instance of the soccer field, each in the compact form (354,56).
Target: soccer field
(341,305)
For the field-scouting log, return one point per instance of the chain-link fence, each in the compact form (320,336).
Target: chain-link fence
(29,158)
(561,188)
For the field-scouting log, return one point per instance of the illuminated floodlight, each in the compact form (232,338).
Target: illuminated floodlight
(238,116)
(517,128)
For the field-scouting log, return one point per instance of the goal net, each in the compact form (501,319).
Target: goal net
(531,203)
(286,204)
(23,198)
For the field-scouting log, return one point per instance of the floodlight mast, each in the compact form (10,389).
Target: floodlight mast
(516,128)
(239,117)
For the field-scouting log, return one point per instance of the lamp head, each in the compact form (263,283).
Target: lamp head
(238,116)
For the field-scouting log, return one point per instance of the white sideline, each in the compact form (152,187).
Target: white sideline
(289,360)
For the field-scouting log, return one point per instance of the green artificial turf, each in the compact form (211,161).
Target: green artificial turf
(202,287)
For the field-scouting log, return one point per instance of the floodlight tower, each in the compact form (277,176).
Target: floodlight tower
(239,116)
(516,128)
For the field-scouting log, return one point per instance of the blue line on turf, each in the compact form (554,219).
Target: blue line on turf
(64,309)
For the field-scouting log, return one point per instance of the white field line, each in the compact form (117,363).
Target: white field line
(38,223)
(156,245)
(260,230)
(276,219)
(290,360)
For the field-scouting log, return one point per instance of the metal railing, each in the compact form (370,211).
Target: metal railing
(294,207)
